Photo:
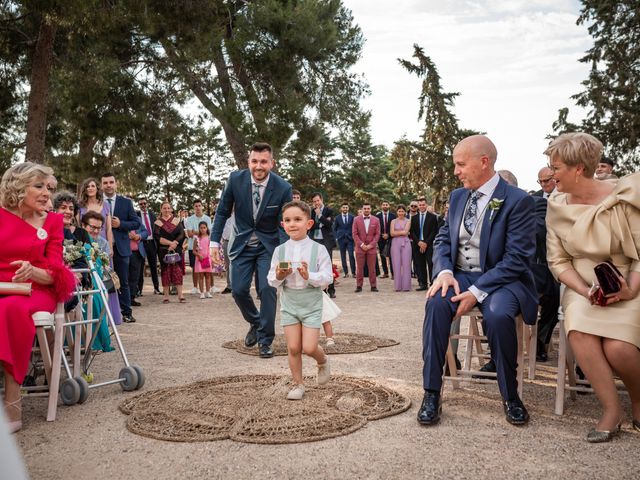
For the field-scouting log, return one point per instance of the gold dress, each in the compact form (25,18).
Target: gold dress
(581,236)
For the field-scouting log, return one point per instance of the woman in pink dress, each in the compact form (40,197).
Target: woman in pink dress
(31,252)
(401,250)
(204,263)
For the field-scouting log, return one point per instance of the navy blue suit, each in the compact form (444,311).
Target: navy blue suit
(129,220)
(385,228)
(507,247)
(247,260)
(344,238)
(325,224)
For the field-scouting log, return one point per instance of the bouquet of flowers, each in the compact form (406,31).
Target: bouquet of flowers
(71,251)
(94,253)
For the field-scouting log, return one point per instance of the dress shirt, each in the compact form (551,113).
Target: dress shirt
(261,190)
(295,252)
(111,201)
(367,221)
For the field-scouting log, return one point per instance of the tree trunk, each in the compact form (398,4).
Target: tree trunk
(39,94)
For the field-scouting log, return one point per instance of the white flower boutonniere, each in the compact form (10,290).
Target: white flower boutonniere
(495,204)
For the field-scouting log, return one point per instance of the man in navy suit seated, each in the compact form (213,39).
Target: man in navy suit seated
(482,257)
(256,195)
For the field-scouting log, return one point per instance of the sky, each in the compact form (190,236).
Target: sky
(514,63)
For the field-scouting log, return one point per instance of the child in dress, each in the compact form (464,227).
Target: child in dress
(304,270)
(204,266)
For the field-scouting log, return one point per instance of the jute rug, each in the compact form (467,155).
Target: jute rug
(345,343)
(253,409)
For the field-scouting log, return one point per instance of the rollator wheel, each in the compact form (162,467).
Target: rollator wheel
(70,391)
(130,377)
(84,389)
(141,377)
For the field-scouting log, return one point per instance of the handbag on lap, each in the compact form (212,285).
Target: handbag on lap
(608,277)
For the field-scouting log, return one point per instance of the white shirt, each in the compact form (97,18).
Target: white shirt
(112,204)
(261,190)
(295,252)
(367,221)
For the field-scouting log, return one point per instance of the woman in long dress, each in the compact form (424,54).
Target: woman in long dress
(169,231)
(401,250)
(588,222)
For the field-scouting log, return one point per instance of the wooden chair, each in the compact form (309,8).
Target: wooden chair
(474,349)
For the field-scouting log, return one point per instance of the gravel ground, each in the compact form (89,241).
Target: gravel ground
(178,344)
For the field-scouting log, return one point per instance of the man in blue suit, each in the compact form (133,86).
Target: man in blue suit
(482,257)
(123,220)
(343,226)
(257,195)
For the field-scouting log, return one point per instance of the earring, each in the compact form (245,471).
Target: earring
(576,178)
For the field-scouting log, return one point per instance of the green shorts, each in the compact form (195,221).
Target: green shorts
(301,306)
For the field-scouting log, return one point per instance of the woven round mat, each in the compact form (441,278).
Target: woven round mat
(345,343)
(254,409)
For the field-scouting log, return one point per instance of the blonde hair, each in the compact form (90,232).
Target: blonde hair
(575,149)
(16,179)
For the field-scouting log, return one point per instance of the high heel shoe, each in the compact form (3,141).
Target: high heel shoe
(601,436)
(16,425)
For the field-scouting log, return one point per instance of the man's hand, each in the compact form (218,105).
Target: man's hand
(115,222)
(385,236)
(215,252)
(422,246)
(303,269)
(443,282)
(467,301)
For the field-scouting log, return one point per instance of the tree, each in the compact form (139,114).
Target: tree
(611,93)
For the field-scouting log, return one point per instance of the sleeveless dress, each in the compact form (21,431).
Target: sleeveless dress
(401,258)
(581,236)
(203,249)
(42,248)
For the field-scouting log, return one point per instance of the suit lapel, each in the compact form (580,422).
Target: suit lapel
(454,224)
(489,217)
(268,191)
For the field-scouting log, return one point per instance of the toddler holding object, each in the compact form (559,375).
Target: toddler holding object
(304,270)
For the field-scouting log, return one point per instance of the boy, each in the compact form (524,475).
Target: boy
(303,270)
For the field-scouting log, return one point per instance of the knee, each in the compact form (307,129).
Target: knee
(617,351)
(294,350)
(310,349)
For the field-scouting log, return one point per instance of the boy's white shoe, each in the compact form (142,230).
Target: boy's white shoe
(215,290)
(202,295)
(330,342)
(195,290)
(324,372)
(296,393)
(208,295)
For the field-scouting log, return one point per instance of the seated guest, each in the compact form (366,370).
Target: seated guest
(481,257)
(589,222)
(65,204)
(31,252)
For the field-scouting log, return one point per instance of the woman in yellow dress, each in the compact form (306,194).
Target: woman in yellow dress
(591,221)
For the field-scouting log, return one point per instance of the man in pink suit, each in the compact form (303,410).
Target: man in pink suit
(366,232)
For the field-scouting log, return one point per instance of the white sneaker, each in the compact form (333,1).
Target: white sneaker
(208,295)
(324,372)
(202,295)
(215,290)
(195,291)
(296,393)
(330,342)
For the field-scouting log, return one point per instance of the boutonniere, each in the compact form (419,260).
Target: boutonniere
(495,204)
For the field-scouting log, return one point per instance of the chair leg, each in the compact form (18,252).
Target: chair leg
(453,371)
(45,353)
(520,370)
(532,349)
(562,369)
(56,363)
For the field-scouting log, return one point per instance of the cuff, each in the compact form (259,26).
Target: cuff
(442,272)
(479,294)
(315,279)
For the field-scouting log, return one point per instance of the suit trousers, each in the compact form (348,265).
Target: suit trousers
(370,260)
(549,304)
(331,289)
(346,246)
(385,260)
(152,260)
(499,310)
(255,260)
(225,252)
(422,264)
(136,264)
(121,266)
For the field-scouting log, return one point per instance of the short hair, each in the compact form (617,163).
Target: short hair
(91,214)
(16,179)
(65,197)
(316,194)
(82,191)
(296,192)
(197,200)
(344,203)
(297,204)
(607,160)
(366,204)
(422,199)
(107,174)
(384,201)
(261,147)
(577,148)
(508,177)
(401,206)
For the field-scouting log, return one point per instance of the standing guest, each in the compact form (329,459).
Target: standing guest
(123,221)
(136,261)
(322,231)
(385,217)
(401,250)
(91,199)
(150,249)
(589,222)
(52,186)
(296,195)
(169,231)
(424,228)
(366,232)
(343,227)
(303,268)
(604,170)
(192,231)
(546,182)
(31,239)
(227,233)
(257,195)
(204,265)
(482,257)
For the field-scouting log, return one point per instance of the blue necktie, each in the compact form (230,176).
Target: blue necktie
(110,200)
(256,194)
(421,227)
(472,212)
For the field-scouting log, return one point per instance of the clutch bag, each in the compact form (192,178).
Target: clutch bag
(15,288)
(171,258)
(608,277)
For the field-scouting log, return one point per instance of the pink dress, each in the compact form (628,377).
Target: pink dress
(43,249)
(401,258)
(203,249)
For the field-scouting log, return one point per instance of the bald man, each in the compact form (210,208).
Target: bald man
(481,258)
(546,182)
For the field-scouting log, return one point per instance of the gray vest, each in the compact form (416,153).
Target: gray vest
(469,247)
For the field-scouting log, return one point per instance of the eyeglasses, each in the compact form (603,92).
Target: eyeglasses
(94,228)
(545,180)
(413,206)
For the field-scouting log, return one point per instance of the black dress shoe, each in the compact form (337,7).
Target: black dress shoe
(490,367)
(430,410)
(374,289)
(332,295)
(157,292)
(251,338)
(358,289)
(266,351)
(421,288)
(541,357)
(135,303)
(515,412)
(128,319)
(226,290)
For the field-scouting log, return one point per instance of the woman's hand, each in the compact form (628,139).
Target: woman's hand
(24,271)
(625,293)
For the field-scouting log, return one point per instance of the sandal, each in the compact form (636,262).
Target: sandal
(166,300)
(16,425)
(183,300)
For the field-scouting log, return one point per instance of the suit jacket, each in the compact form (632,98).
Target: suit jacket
(344,231)
(507,245)
(152,220)
(384,229)
(237,193)
(326,222)
(429,229)
(360,235)
(539,193)
(545,283)
(129,221)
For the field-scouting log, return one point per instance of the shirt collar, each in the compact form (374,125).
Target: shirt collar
(488,187)
(107,197)
(300,242)
(263,183)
